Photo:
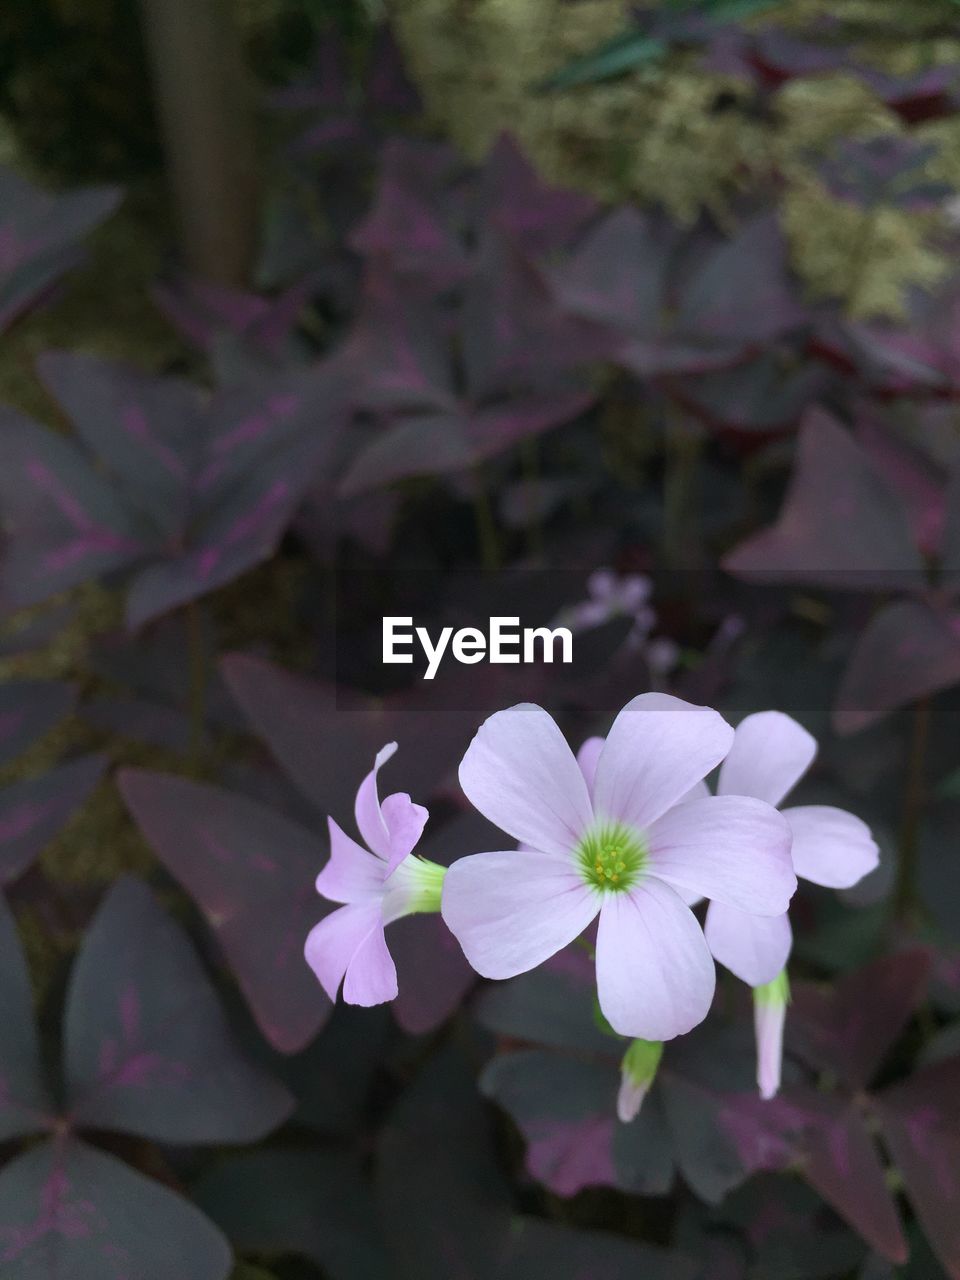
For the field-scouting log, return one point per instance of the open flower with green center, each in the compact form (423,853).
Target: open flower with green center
(620,847)
(376,885)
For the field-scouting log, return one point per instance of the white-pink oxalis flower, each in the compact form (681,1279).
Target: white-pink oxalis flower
(770,754)
(377,885)
(619,846)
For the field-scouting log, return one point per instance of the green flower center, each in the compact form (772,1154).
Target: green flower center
(612,857)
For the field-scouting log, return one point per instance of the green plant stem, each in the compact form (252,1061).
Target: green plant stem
(913,803)
(198,679)
(486,525)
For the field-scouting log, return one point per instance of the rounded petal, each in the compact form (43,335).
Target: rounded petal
(731,849)
(366,808)
(511,911)
(754,948)
(830,846)
(587,758)
(769,756)
(404,822)
(657,749)
(521,775)
(349,946)
(655,974)
(351,874)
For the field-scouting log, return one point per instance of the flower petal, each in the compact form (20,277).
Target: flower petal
(830,846)
(770,754)
(511,911)
(587,758)
(755,948)
(657,749)
(366,809)
(405,822)
(351,874)
(349,946)
(521,775)
(655,974)
(729,848)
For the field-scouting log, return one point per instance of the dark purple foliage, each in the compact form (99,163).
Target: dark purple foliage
(71,1209)
(147,1048)
(436,364)
(251,872)
(188,492)
(40,236)
(868,517)
(147,1052)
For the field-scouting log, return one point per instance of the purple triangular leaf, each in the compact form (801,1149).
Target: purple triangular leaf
(912,475)
(921,1126)
(514,333)
(326,739)
(64,524)
(399,351)
(147,431)
(908,650)
(419,445)
(70,1210)
(147,1048)
(566,1109)
(759,395)
(33,811)
(841,1162)
(617,274)
(513,196)
(448,1212)
(251,872)
(742,293)
(38,236)
(840,526)
(850,1028)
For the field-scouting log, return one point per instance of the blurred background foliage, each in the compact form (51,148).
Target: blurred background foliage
(72,108)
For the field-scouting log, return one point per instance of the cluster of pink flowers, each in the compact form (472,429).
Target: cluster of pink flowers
(626,834)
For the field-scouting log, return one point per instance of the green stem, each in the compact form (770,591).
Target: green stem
(486,525)
(198,678)
(913,803)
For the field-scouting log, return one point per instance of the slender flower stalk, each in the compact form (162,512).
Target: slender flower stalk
(637,1074)
(769,1017)
(376,886)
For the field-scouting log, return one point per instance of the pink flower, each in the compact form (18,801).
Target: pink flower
(769,756)
(621,847)
(377,887)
